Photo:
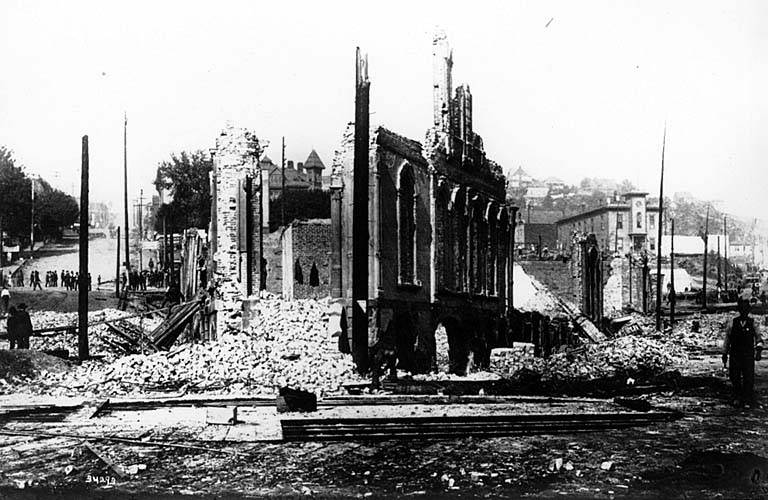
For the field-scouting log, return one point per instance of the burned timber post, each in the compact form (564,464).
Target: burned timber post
(360,217)
(82,304)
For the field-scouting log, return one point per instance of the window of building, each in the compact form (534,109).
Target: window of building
(314,276)
(298,274)
(639,220)
(406,225)
(652,244)
(620,245)
(619,221)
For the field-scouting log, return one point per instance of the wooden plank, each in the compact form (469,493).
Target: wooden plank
(116,468)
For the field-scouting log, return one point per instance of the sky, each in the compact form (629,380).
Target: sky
(566,89)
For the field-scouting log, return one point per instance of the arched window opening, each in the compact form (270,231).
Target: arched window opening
(298,274)
(459,221)
(493,251)
(314,276)
(406,227)
(447,236)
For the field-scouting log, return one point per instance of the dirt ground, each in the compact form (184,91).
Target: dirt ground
(714,451)
(61,300)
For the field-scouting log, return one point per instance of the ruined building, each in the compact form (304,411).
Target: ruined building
(436,229)
(237,194)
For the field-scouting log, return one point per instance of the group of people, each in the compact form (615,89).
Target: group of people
(138,281)
(19,327)
(70,280)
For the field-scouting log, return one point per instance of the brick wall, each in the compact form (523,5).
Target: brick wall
(273,253)
(306,244)
(563,279)
(234,160)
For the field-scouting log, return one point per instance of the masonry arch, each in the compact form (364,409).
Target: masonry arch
(458,340)
(446,238)
(406,224)
(458,214)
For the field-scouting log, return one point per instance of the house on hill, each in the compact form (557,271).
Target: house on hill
(520,178)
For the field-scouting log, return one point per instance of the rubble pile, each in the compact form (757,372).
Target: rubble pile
(709,334)
(628,355)
(288,346)
(510,359)
(102,341)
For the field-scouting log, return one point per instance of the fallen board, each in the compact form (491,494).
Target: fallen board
(453,427)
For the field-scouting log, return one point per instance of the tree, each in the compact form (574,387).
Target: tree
(626,186)
(15,197)
(186,177)
(54,210)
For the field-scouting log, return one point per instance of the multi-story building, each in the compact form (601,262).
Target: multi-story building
(619,226)
(439,233)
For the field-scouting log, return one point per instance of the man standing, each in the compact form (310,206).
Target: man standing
(5,297)
(744,345)
(12,328)
(24,326)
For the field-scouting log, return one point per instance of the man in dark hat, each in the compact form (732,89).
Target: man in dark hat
(12,328)
(24,326)
(744,345)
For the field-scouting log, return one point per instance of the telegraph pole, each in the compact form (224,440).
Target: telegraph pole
(117,266)
(82,304)
(282,187)
(141,229)
(706,242)
(672,292)
(725,255)
(658,241)
(32,219)
(125,192)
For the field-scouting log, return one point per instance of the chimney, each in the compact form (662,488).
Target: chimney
(289,164)
(300,167)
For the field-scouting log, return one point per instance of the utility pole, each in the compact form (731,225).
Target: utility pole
(141,228)
(706,242)
(82,303)
(125,193)
(672,292)
(282,187)
(117,266)
(32,219)
(725,260)
(630,277)
(719,282)
(658,241)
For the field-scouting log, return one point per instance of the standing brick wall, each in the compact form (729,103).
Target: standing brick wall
(563,279)
(310,244)
(234,161)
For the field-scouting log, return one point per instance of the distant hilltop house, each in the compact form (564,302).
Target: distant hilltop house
(520,178)
(554,184)
(622,226)
(304,176)
(535,195)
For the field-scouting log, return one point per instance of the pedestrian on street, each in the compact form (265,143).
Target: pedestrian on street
(24,326)
(5,297)
(744,345)
(12,328)
(36,284)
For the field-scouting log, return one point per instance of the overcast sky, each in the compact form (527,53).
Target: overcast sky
(567,89)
